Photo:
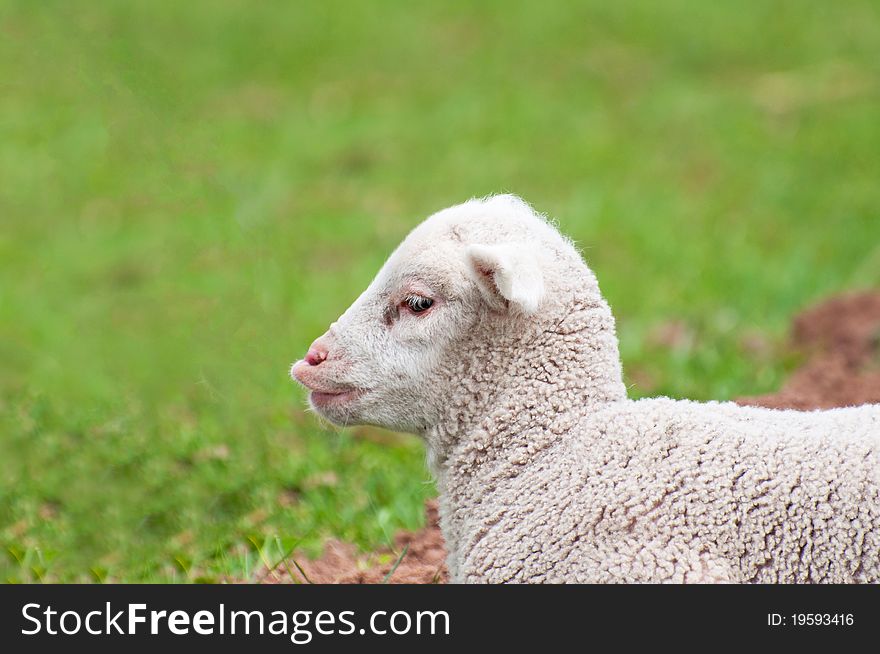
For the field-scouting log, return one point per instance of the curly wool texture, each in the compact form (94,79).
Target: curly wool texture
(548,473)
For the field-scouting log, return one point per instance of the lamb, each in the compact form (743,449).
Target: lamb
(486,334)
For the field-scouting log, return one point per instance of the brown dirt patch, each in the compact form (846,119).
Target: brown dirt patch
(840,339)
(341,563)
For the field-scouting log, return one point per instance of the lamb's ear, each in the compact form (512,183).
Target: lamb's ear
(509,271)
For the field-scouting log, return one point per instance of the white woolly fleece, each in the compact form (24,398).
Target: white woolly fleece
(548,473)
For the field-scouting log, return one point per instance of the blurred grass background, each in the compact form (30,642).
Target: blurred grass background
(190,192)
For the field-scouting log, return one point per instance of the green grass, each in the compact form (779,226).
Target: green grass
(191,191)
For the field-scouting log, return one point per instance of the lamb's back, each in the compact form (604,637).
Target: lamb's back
(659,489)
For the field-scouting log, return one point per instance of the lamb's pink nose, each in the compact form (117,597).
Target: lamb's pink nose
(317,353)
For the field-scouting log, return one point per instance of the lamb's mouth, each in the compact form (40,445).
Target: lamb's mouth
(323,392)
(323,399)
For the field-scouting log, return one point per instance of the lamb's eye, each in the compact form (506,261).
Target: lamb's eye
(418,303)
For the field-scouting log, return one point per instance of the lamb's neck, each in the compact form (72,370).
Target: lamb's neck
(514,405)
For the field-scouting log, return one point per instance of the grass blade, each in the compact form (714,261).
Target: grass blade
(394,569)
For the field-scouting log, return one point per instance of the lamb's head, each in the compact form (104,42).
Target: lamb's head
(462,282)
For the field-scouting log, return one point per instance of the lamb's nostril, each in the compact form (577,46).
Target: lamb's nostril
(316,355)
